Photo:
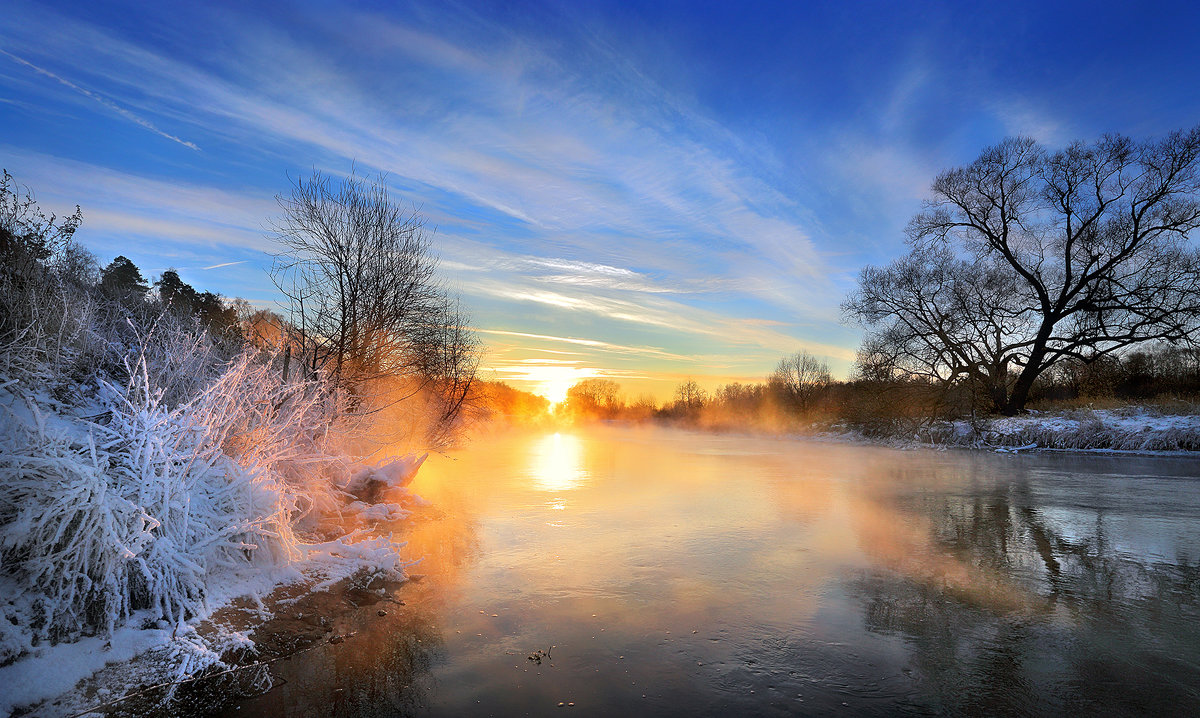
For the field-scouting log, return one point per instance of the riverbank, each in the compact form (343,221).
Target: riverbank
(290,620)
(1132,429)
(255,616)
(127,520)
(127,527)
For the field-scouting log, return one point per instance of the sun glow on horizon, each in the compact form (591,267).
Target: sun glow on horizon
(550,380)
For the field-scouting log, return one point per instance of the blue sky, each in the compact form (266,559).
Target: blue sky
(643,191)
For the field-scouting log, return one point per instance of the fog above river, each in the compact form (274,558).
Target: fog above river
(685,573)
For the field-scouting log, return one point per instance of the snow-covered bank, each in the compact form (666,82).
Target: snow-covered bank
(1133,429)
(146,651)
(125,520)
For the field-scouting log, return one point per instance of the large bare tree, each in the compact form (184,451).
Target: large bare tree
(1026,257)
(363,303)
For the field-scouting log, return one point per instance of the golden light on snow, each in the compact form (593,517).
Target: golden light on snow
(556,463)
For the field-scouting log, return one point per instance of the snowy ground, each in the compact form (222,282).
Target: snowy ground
(1135,430)
(47,672)
(47,680)
(126,520)
(1132,429)
(88,511)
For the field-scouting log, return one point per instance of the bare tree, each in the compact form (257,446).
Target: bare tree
(689,397)
(358,274)
(451,356)
(801,379)
(594,397)
(1026,257)
(363,303)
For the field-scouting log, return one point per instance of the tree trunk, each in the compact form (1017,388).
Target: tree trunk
(999,396)
(1020,391)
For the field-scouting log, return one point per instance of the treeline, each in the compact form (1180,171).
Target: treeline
(801,395)
(67,321)
(508,406)
(1033,277)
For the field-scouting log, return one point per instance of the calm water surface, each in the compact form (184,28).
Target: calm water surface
(682,574)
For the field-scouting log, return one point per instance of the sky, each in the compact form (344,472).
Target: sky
(647,192)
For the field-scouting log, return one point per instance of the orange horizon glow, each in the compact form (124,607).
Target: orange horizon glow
(548,380)
(552,381)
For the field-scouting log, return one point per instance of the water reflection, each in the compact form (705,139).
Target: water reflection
(381,669)
(684,574)
(1097,630)
(556,463)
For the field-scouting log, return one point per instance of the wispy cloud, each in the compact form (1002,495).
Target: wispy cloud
(590,343)
(117,203)
(568,160)
(578,185)
(102,100)
(667,316)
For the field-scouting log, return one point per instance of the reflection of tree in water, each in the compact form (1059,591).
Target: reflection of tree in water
(382,670)
(1096,630)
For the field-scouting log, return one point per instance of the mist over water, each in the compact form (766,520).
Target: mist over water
(676,573)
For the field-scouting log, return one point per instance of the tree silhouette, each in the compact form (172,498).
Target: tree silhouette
(122,279)
(28,236)
(1025,258)
(800,379)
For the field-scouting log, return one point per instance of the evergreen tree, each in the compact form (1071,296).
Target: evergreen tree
(176,293)
(121,278)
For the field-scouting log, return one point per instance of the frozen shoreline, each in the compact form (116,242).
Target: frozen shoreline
(85,676)
(127,522)
(1131,431)
(1127,431)
(45,680)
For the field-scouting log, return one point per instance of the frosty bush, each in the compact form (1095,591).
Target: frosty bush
(139,505)
(149,455)
(100,519)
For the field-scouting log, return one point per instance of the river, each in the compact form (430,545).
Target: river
(676,573)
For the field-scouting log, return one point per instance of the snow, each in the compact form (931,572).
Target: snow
(397,473)
(1133,429)
(128,510)
(1128,430)
(50,671)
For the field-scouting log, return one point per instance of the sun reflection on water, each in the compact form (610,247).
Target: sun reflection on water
(556,463)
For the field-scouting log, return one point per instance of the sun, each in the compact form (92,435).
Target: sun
(554,389)
(551,380)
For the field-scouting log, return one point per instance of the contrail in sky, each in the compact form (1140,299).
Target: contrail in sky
(103,101)
(225,264)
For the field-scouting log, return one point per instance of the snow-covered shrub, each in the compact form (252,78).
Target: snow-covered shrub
(150,459)
(137,510)
(139,504)
(47,328)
